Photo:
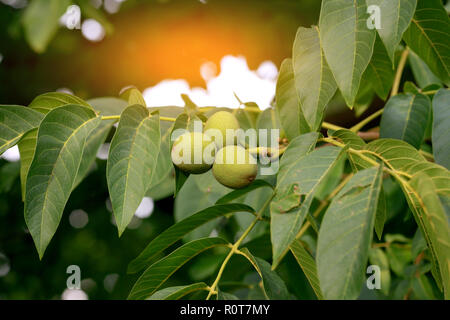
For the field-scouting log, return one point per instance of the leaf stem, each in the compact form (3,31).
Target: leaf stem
(357,127)
(398,75)
(110,118)
(235,248)
(270,152)
(327,125)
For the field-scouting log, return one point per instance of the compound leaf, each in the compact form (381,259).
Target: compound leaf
(347,43)
(60,142)
(131,162)
(345,235)
(158,273)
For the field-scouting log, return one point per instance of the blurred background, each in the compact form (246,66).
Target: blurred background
(208,49)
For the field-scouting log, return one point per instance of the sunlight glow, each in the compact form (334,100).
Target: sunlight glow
(235,77)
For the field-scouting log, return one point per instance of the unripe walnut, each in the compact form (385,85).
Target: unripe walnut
(235,167)
(193,152)
(219,122)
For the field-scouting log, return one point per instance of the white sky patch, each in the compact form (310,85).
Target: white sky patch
(74,294)
(4,265)
(16,4)
(65,90)
(71,19)
(235,77)
(92,30)
(103,151)
(78,219)
(12,154)
(145,209)
(110,281)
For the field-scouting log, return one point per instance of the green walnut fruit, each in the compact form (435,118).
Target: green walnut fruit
(217,126)
(235,167)
(193,152)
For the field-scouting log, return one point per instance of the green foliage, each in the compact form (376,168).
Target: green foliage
(132,161)
(39,31)
(347,43)
(406,117)
(309,225)
(313,78)
(396,17)
(428,35)
(60,143)
(441,125)
(346,234)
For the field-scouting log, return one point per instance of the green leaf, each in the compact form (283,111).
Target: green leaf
(41,21)
(365,95)
(348,138)
(381,215)
(246,118)
(422,73)
(235,194)
(158,273)
(163,177)
(131,162)
(108,106)
(60,142)
(288,107)
(313,78)
(308,265)
(410,87)
(307,172)
(44,103)
(422,288)
(268,119)
(441,128)
(178,292)
(405,159)
(27,147)
(183,122)
(226,296)
(346,235)
(15,121)
(405,117)
(429,35)
(396,16)
(431,217)
(133,96)
(180,229)
(205,189)
(347,43)
(93,143)
(380,71)
(274,287)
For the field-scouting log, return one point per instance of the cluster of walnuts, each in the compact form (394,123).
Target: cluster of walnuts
(232,165)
